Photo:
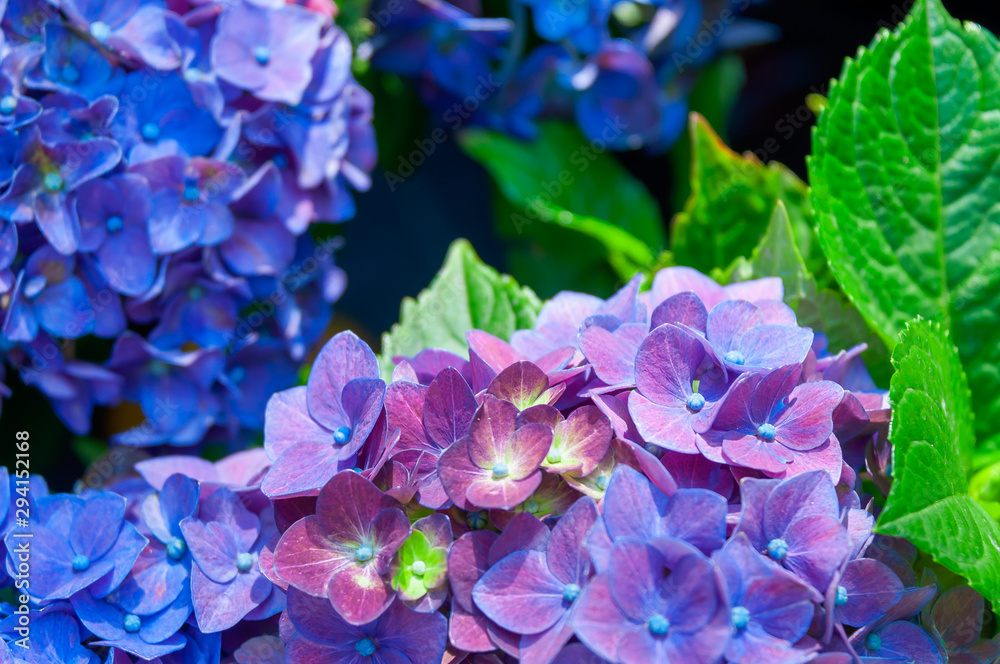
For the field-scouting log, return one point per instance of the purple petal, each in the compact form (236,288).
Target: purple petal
(567,554)
(449,408)
(522,383)
(668,427)
(525,532)
(359,593)
(808,421)
(491,428)
(219,606)
(404,404)
(287,422)
(597,620)
(817,547)
(613,354)
(306,558)
(684,308)
(303,469)
(342,359)
(808,494)
(349,504)
(666,365)
(872,589)
(468,560)
(458,473)
(503,494)
(520,593)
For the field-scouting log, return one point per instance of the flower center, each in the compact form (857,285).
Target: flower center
(419,568)
(739,617)
(841,596)
(262,54)
(735,357)
(158,368)
(531,506)
(114,223)
(100,30)
(476,520)
(364,553)
(237,374)
(70,74)
(499,470)
(8,104)
(873,642)
(365,647)
(53,182)
(554,456)
(244,562)
(570,592)
(341,435)
(695,402)
(658,625)
(191,193)
(602,482)
(81,563)
(777,549)
(176,548)
(150,131)
(766,431)
(132,623)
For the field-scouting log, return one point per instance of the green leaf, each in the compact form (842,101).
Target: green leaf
(732,197)
(562,178)
(465,295)
(906,186)
(933,438)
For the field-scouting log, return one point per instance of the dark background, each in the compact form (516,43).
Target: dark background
(398,239)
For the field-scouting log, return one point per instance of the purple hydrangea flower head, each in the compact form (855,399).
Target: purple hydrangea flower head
(534,593)
(398,636)
(657,603)
(115,622)
(635,508)
(48,296)
(344,550)
(225,541)
(796,523)
(666,408)
(497,465)
(310,431)
(266,48)
(79,543)
(770,422)
(771,610)
(113,213)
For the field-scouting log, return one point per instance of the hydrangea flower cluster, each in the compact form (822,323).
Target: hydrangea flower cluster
(666,476)
(162,164)
(623,70)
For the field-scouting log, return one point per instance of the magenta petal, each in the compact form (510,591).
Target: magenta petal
(503,494)
(584,438)
(522,383)
(449,408)
(817,547)
(359,593)
(306,558)
(305,468)
(668,427)
(756,453)
(467,630)
(458,473)
(808,421)
(404,405)
(348,505)
(685,308)
(468,560)
(362,402)
(612,354)
(491,428)
(808,494)
(220,606)
(597,620)
(342,359)
(520,593)
(567,554)
(527,448)
(287,422)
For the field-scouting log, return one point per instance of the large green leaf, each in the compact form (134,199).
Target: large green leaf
(732,197)
(933,438)
(562,178)
(465,295)
(906,187)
